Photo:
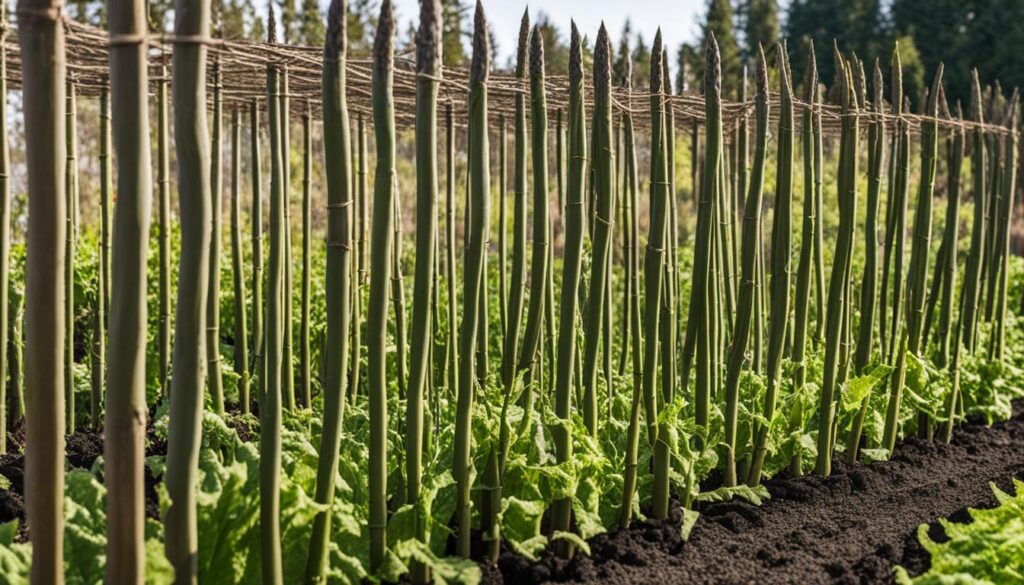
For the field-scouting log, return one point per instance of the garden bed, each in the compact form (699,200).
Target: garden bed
(852,527)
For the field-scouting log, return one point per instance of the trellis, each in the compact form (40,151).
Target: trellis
(243,67)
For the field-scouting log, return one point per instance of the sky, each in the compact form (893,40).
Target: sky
(678,19)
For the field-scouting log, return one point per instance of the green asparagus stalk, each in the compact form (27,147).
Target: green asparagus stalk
(164,223)
(748,275)
(839,277)
(259,365)
(381,243)
(428,57)
(540,266)
(213,377)
(41,41)
(561,511)
(975,259)
(270,402)
(337,147)
(192,143)
(125,428)
(807,246)
(71,207)
(868,291)
(98,352)
(517,284)
(237,267)
(479,190)
(5,241)
(604,180)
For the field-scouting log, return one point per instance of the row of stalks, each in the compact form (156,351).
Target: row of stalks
(698,322)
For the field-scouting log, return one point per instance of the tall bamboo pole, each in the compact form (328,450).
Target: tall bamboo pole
(868,294)
(360,272)
(839,277)
(572,261)
(479,190)
(41,39)
(288,366)
(745,298)
(337,146)
(213,376)
(125,429)
(604,204)
(781,258)
(428,57)
(305,358)
(241,349)
(503,227)
(631,192)
(703,284)
(270,403)
(517,283)
(259,365)
(71,234)
(192,143)
(164,228)
(449,238)
(807,246)
(975,258)
(5,237)
(918,280)
(540,264)
(100,312)
(381,243)
(1006,205)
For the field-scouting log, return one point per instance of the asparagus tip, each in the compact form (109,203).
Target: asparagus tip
(481,63)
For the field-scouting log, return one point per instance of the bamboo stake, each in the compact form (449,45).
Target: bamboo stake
(258,333)
(747,290)
(192,141)
(41,40)
(270,403)
(476,236)
(241,340)
(125,428)
(428,45)
(517,283)
(338,282)
(213,375)
(71,234)
(164,228)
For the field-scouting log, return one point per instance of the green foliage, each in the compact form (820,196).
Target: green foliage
(85,538)
(988,550)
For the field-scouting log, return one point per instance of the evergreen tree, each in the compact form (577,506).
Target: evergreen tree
(256,31)
(719,19)
(556,52)
(289,21)
(856,25)
(622,54)
(685,58)
(311,24)
(232,20)
(361,21)
(641,63)
(761,25)
(453,32)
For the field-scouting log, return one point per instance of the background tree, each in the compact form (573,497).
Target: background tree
(620,65)
(311,24)
(720,19)
(760,25)
(453,32)
(556,52)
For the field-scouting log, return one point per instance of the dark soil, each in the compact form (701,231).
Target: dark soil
(82,449)
(850,528)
